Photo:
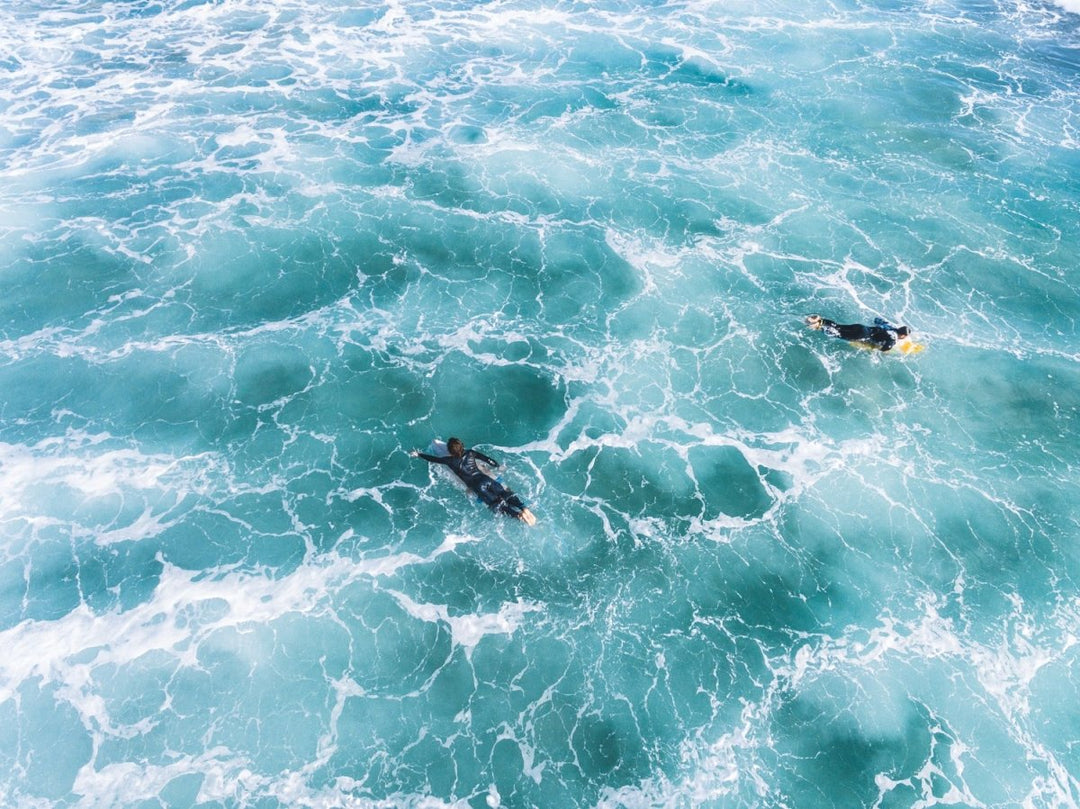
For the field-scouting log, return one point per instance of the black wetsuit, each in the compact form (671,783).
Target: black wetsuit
(882,335)
(496,496)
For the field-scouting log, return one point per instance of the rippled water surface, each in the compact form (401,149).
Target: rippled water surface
(253,252)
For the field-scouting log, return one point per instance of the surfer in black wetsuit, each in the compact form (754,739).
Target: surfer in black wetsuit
(464,463)
(882,335)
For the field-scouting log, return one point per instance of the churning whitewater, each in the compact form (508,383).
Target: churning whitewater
(254,252)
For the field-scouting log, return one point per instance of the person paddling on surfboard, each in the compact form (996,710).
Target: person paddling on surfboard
(882,335)
(464,463)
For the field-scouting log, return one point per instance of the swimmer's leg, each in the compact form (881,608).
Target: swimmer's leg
(512,506)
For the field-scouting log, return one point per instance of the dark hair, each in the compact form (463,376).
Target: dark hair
(455,447)
(903,331)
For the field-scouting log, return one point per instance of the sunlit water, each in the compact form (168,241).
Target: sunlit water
(254,251)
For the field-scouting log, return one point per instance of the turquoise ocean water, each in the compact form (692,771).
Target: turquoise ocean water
(254,251)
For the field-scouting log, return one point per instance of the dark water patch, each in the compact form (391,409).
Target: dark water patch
(507,766)
(241,670)
(392,652)
(467,134)
(694,327)
(1014,404)
(957,151)
(775,604)
(255,444)
(266,373)
(930,96)
(204,541)
(123,64)
(471,581)
(448,185)
(42,718)
(43,584)
(579,270)
(102,122)
(503,404)
(368,517)
(673,67)
(586,749)
(13,583)
(127,398)
(237,155)
(183,790)
(642,319)
(73,571)
(800,365)
(1060,52)
(136,691)
(383,398)
(599,54)
(547,105)
(557,101)
(1031,209)
(237,98)
(255,276)
(168,408)
(646,480)
(680,211)
(359,17)
(705,671)
(267,528)
(244,21)
(698,74)
(376,726)
(1001,552)
(156,195)
(382,279)
(9,734)
(468,268)
(119,576)
(381,730)
(43,291)
(609,747)
(1056,684)
(824,758)
(728,484)
(808,575)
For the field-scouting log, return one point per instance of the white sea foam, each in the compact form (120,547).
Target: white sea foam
(1072,6)
(469,630)
(737,762)
(88,471)
(48,649)
(68,651)
(179,147)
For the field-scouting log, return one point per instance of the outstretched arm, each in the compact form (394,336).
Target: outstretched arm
(430,458)
(489,461)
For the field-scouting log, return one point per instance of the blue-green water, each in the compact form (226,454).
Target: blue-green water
(253,252)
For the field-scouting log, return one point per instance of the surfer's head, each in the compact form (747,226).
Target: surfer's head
(455,447)
(813,321)
(903,332)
